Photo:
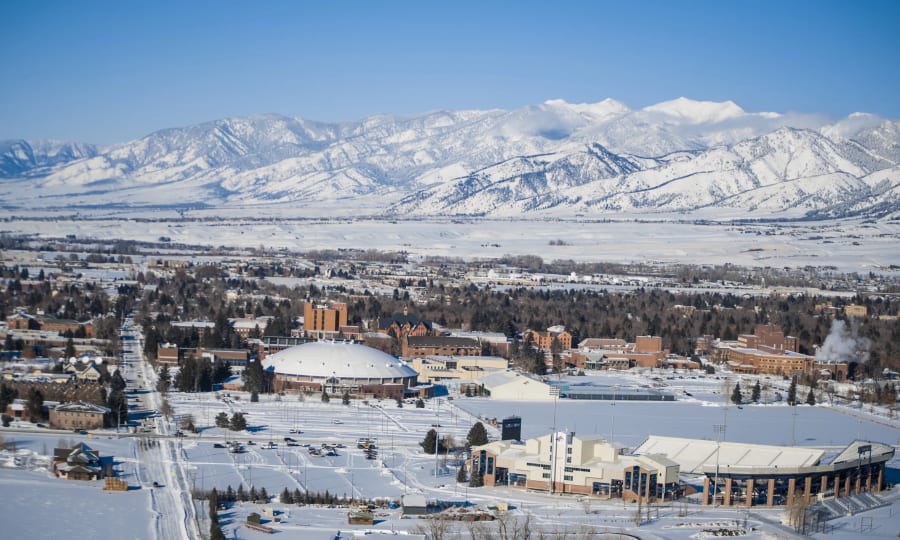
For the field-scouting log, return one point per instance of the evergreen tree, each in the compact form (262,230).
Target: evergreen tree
(792,392)
(238,422)
(461,474)
(164,381)
(420,404)
(221,371)
(345,397)
(477,435)
(538,362)
(757,392)
(325,398)
(254,397)
(116,382)
(70,348)
(215,531)
(8,394)
(35,405)
(214,503)
(811,397)
(254,377)
(736,396)
(241,495)
(476,480)
(222,420)
(118,406)
(263,494)
(429,444)
(285,497)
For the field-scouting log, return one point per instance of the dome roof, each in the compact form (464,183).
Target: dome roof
(338,359)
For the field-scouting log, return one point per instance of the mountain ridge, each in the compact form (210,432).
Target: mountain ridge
(553,158)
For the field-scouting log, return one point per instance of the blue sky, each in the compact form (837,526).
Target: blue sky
(106,72)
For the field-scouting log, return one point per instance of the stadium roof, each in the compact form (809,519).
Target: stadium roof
(337,359)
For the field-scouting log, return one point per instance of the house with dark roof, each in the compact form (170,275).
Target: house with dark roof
(405,324)
(80,462)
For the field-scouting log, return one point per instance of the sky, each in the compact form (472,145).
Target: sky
(105,72)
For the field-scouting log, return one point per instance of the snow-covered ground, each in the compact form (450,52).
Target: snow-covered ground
(849,245)
(402,468)
(203,461)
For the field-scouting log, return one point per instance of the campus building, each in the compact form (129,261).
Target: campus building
(324,321)
(764,475)
(565,463)
(338,367)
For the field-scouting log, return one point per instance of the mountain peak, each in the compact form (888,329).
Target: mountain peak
(607,107)
(698,112)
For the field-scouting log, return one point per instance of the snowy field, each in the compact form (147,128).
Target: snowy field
(848,245)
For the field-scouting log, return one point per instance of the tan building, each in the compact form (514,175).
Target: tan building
(767,351)
(324,321)
(79,415)
(441,369)
(167,354)
(565,463)
(595,353)
(251,326)
(855,310)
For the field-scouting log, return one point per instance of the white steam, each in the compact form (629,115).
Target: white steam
(843,344)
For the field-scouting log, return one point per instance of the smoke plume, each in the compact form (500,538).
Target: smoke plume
(843,344)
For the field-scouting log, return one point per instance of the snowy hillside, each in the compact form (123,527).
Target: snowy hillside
(556,157)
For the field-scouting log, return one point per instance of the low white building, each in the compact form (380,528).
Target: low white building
(512,385)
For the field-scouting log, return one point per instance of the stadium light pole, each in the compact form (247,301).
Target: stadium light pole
(719,429)
(612,435)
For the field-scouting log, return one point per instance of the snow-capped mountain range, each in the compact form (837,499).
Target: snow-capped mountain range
(556,159)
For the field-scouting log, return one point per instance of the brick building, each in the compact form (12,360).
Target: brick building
(79,415)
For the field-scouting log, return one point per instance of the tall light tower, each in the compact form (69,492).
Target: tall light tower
(719,429)
(612,435)
(554,391)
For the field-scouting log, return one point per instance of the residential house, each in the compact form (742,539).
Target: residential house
(77,463)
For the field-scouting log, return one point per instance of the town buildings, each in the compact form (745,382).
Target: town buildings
(769,352)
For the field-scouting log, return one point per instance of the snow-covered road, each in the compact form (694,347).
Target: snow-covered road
(162,467)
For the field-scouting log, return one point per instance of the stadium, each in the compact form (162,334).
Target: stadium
(339,367)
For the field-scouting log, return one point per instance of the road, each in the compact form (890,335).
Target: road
(160,460)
